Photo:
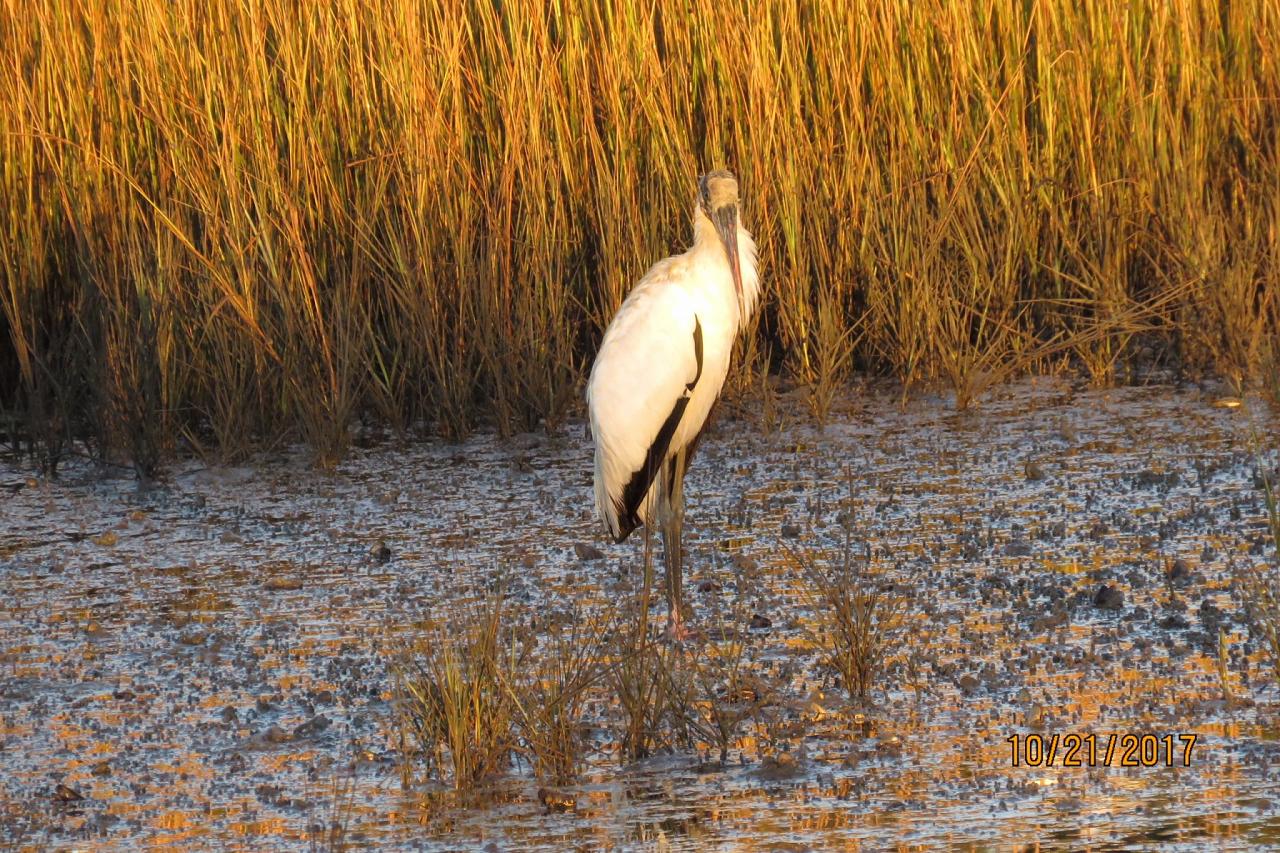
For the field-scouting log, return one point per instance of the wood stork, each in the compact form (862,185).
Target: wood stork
(660,368)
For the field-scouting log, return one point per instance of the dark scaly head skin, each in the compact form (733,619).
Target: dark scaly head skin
(716,190)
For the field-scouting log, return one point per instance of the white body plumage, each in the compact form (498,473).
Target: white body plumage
(670,341)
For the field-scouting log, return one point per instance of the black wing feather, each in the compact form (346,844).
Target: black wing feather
(628,503)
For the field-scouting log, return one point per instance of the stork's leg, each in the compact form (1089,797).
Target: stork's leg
(648,582)
(672,546)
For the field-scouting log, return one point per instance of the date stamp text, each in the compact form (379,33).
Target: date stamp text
(1109,750)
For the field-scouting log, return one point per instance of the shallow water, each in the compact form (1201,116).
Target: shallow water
(150,640)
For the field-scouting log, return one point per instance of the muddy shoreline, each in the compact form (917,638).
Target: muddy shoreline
(205,662)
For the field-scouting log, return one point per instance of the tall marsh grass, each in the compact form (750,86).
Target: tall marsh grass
(227,224)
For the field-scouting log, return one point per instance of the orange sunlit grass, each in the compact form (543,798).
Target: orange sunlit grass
(233,223)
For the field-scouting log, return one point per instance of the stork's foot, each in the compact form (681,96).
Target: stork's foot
(678,631)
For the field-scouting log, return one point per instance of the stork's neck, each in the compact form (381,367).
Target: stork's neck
(705,239)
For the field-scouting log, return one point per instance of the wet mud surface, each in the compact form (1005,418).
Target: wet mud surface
(204,664)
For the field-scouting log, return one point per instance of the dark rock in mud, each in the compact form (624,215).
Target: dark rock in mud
(1108,597)
(1211,616)
(587,553)
(266,739)
(554,801)
(1018,548)
(312,727)
(1179,573)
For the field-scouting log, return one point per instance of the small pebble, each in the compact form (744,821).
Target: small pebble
(65,794)
(279,584)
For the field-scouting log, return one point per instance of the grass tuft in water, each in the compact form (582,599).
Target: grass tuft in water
(860,618)
(550,695)
(640,676)
(726,693)
(1261,583)
(454,700)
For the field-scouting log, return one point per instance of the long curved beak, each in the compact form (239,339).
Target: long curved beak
(726,221)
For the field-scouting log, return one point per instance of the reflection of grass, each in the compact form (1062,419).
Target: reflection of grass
(723,692)
(332,836)
(859,619)
(232,224)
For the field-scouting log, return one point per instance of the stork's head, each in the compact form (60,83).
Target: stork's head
(718,200)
